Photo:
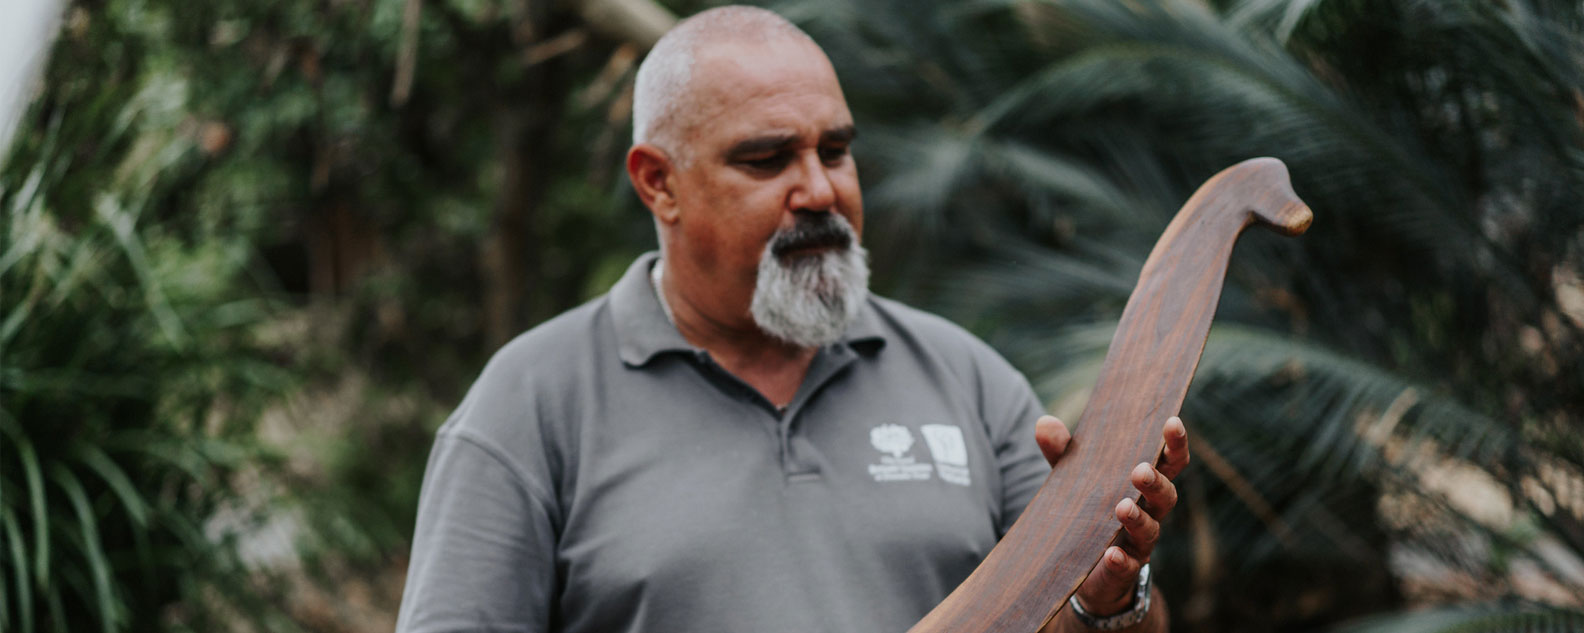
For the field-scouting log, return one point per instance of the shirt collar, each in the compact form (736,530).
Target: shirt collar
(643,331)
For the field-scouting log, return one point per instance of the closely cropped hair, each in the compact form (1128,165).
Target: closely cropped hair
(660,92)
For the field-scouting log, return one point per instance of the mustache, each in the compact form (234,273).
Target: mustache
(823,230)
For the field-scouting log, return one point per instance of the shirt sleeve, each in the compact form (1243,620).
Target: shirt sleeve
(1010,409)
(483,554)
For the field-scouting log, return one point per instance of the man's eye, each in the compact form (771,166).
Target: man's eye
(833,154)
(773,162)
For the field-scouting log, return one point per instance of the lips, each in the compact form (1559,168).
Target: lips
(824,231)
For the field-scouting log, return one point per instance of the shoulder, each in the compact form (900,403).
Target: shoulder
(916,328)
(534,371)
(573,335)
(1000,392)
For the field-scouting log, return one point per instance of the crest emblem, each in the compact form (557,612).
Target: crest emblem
(891,438)
(950,451)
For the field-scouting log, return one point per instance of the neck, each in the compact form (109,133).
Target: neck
(772,366)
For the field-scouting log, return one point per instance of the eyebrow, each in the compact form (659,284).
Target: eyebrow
(760,145)
(843,134)
(775,142)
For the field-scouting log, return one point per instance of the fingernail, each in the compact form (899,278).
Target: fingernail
(1116,556)
(1133,511)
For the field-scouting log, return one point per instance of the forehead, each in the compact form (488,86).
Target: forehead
(750,88)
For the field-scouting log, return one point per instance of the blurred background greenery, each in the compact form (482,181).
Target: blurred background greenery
(254,252)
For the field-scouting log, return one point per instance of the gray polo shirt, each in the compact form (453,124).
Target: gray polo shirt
(603,475)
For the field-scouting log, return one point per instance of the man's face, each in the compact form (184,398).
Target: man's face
(768,145)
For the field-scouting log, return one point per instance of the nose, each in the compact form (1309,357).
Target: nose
(813,190)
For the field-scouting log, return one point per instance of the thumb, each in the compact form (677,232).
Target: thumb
(1052,436)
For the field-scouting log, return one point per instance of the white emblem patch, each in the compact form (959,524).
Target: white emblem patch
(891,438)
(946,445)
(895,464)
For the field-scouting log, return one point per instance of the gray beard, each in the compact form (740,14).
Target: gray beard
(810,300)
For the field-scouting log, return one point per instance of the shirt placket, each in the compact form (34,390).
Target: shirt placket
(828,363)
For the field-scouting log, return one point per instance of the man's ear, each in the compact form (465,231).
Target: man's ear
(650,170)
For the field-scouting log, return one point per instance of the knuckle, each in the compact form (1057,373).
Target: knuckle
(1138,531)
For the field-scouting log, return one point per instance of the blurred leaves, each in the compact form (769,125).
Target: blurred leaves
(129,381)
(242,279)
(254,252)
(1023,157)
(1468,620)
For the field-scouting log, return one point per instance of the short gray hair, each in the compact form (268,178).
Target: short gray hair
(660,92)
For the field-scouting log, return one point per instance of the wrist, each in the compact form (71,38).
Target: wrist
(1124,613)
(1100,608)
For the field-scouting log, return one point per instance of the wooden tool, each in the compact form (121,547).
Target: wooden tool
(1029,575)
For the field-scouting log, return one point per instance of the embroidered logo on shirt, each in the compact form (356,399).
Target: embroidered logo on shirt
(895,464)
(946,445)
(891,438)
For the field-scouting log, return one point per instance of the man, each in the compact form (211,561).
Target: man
(729,440)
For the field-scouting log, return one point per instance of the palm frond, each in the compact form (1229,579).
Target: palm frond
(1495,618)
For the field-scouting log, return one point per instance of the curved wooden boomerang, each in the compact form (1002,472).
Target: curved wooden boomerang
(1051,548)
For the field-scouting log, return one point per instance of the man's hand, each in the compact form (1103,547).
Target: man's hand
(1109,588)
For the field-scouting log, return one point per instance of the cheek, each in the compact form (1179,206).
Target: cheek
(749,236)
(851,200)
(729,220)
(727,236)
(702,243)
(747,218)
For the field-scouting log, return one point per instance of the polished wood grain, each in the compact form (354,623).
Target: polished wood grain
(1029,575)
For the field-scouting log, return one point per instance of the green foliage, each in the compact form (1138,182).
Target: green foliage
(223,208)
(129,383)
(1023,157)
(1476,619)
(216,204)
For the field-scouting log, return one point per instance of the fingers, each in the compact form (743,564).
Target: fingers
(1052,437)
(1109,588)
(1159,494)
(1122,568)
(1175,458)
(1143,531)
